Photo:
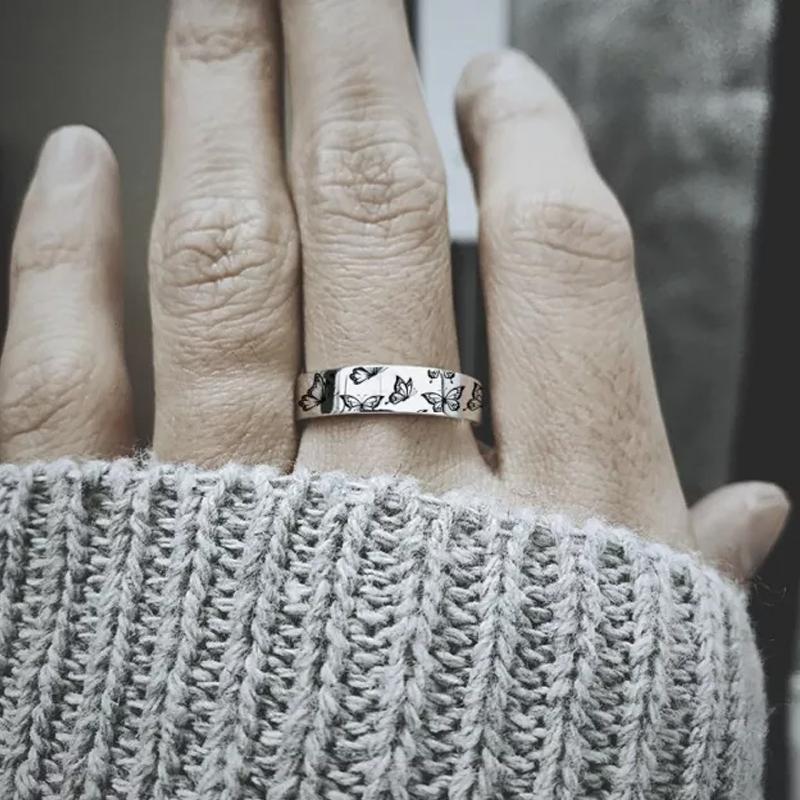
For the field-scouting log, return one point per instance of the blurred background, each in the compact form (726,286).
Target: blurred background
(686,109)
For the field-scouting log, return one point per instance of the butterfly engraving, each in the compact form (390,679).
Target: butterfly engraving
(449,399)
(316,394)
(361,374)
(433,374)
(476,401)
(352,403)
(402,390)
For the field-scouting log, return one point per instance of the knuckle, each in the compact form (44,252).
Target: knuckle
(68,389)
(568,236)
(223,256)
(222,41)
(44,251)
(373,179)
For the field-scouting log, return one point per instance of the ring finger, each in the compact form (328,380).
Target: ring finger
(370,197)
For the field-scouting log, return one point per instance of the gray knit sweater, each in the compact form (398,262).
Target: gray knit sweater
(170,632)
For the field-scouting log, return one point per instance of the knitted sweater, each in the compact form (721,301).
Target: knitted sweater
(171,632)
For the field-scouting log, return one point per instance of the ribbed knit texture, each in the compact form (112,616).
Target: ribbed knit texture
(170,632)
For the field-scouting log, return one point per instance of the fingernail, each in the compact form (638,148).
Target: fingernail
(68,155)
(771,507)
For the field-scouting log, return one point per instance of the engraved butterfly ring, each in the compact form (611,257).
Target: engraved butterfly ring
(389,389)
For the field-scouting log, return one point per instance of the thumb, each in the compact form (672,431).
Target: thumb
(737,525)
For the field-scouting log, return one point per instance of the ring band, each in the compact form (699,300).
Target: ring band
(389,389)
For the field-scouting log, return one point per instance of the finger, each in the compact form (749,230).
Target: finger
(575,410)
(224,286)
(64,389)
(737,526)
(369,190)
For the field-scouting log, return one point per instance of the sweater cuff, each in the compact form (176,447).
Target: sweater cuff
(168,631)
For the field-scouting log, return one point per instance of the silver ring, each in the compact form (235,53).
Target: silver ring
(389,389)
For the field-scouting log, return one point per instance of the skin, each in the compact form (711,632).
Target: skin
(352,212)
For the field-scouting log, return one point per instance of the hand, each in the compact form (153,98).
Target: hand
(359,210)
